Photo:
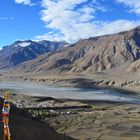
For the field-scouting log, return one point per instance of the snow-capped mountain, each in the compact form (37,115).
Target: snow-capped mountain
(21,51)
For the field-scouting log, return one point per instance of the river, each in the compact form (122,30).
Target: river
(36,89)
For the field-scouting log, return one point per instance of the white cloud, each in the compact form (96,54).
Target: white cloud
(67,22)
(25,2)
(134,5)
(90,30)
(6,18)
(3,18)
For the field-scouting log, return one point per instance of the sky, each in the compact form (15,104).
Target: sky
(65,20)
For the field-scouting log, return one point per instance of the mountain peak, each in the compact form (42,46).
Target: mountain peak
(138,27)
(23,44)
(96,54)
(136,30)
(24,50)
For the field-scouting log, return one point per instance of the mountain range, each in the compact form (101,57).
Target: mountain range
(95,54)
(21,51)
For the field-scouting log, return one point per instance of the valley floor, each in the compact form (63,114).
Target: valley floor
(119,122)
(111,80)
(84,120)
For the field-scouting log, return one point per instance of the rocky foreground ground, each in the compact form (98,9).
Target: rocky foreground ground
(23,127)
(119,122)
(84,120)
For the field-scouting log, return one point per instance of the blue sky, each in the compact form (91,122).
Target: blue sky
(68,20)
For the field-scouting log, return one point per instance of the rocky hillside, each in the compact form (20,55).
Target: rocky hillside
(91,55)
(53,46)
(24,127)
(21,51)
(134,67)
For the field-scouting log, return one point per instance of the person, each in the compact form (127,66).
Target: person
(5,117)
(5,112)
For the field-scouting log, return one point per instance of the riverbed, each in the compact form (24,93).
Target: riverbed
(37,89)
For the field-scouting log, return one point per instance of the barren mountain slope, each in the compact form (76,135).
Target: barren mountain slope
(134,67)
(91,55)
